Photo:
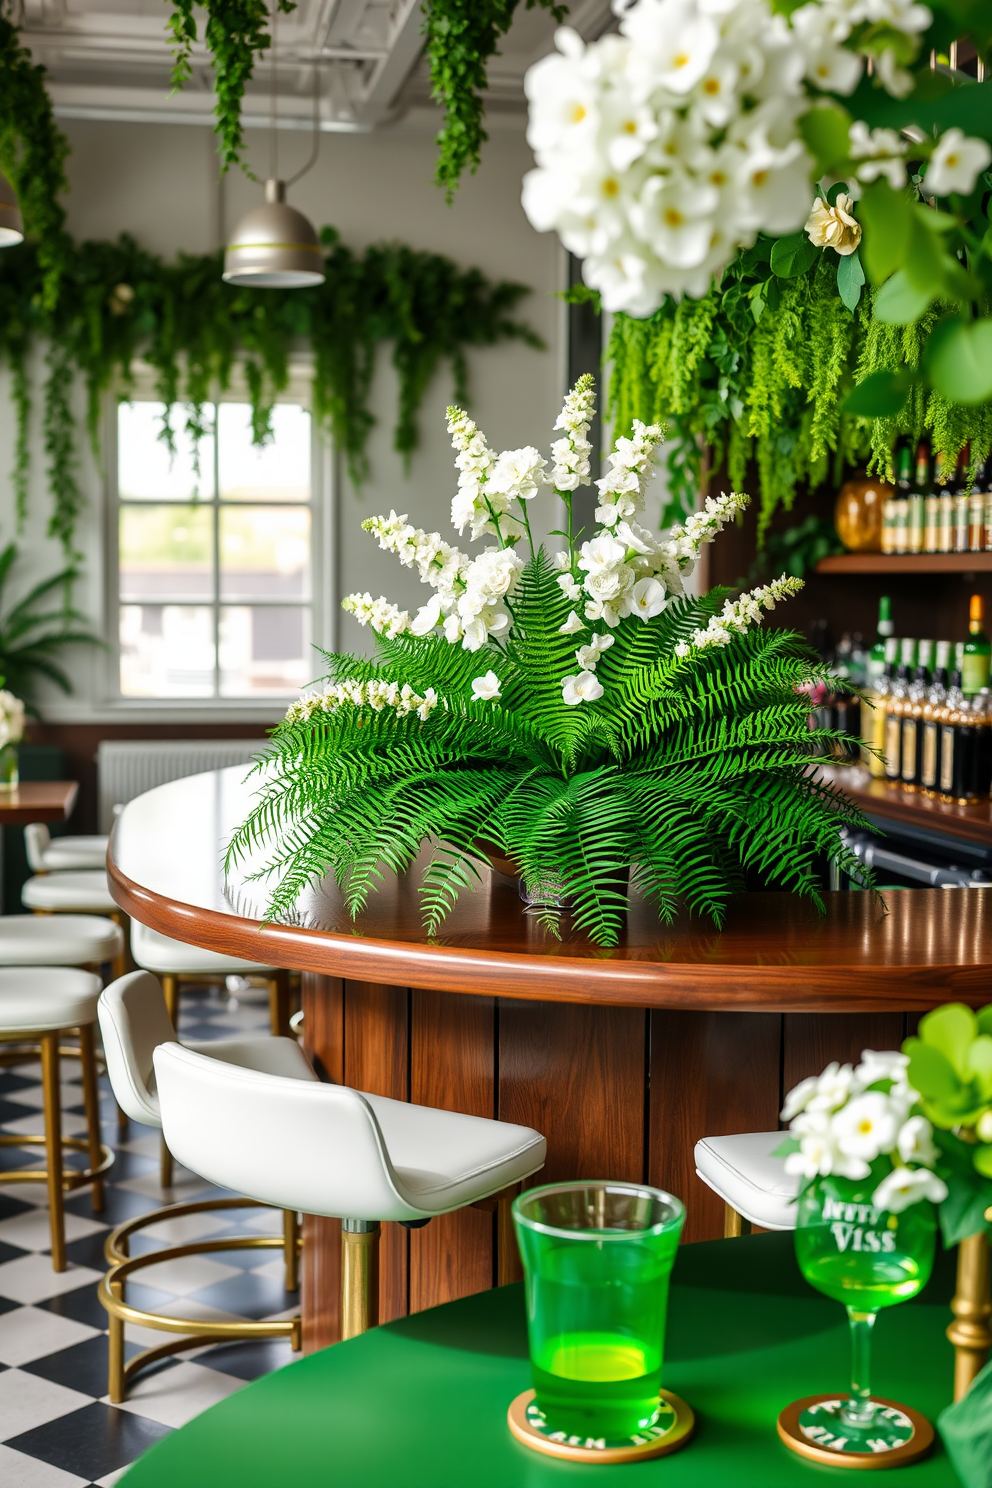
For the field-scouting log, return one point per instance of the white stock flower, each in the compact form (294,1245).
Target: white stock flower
(684,542)
(485,689)
(571,453)
(915,1142)
(519,474)
(905,1186)
(572,625)
(353,693)
(739,614)
(583,688)
(868,1125)
(956,164)
(588,656)
(384,618)
(834,226)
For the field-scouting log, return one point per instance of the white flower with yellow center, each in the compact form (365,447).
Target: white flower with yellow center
(583,688)
(866,1126)
(485,689)
(905,1186)
(956,164)
(834,226)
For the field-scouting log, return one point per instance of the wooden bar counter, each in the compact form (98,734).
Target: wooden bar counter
(623,1058)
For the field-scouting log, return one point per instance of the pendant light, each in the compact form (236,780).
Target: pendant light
(11,222)
(274,246)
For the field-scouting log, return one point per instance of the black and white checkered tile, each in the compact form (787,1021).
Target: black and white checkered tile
(57,1428)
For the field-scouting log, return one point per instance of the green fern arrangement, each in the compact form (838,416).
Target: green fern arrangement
(579,714)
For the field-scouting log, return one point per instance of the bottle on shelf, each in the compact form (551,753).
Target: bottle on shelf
(920,491)
(898,693)
(955,738)
(976,515)
(984,481)
(980,780)
(962,506)
(899,523)
(876,656)
(936,698)
(874,714)
(942,473)
(977,652)
(845,707)
(912,718)
(955,482)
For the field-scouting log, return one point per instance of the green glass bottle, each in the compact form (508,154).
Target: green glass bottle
(876,656)
(898,694)
(918,496)
(900,506)
(912,718)
(977,652)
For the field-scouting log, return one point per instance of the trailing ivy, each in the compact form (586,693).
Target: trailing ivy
(461,37)
(234,33)
(759,369)
(116,301)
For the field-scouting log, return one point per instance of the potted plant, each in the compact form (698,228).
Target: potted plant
(577,712)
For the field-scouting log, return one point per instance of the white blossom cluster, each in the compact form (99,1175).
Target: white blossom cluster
(353,693)
(11,718)
(571,453)
(662,151)
(843,1122)
(686,539)
(488,483)
(384,618)
(738,615)
(621,490)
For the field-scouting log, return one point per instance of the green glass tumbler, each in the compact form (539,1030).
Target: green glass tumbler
(597,1258)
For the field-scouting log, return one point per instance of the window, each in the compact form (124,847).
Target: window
(214,565)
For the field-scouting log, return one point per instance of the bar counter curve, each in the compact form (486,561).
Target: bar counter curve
(623,1058)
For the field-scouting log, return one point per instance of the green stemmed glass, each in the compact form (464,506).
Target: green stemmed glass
(868,1259)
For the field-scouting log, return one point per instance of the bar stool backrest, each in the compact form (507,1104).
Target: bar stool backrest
(37,841)
(133,1021)
(291,1143)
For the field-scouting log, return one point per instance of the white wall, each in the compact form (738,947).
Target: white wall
(158,182)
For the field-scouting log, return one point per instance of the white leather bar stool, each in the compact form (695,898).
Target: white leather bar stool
(76,891)
(750,1179)
(63,940)
(134,1020)
(173,960)
(37,1005)
(47,856)
(333,1151)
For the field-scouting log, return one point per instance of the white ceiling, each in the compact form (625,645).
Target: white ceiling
(111,59)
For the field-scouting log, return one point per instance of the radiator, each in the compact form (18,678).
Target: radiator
(126,768)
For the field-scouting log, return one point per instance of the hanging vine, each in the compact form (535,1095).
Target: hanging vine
(758,371)
(117,301)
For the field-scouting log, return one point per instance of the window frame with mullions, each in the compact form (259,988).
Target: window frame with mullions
(320,603)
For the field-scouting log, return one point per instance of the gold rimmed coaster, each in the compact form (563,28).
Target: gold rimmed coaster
(808,1427)
(673,1428)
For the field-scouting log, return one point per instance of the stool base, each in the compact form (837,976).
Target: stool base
(808,1428)
(198,1333)
(673,1430)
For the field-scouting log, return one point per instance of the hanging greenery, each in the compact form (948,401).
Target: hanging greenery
(462,35)
(117,301)
(760,369)
(234,33)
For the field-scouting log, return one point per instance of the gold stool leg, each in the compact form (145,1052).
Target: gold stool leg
(53,1145)
(115,1350)
(91,1103)
(734,1224)
(279,1003)
(170,991)
(359,1276)
(972,1308)
(291,1248)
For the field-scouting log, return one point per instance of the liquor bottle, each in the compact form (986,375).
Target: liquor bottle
(955,738)
(874,716)
(894,709)
(977,651)
(912,718)
(876,656)
(900,504)
(962,505)
(916,515)
(983,481)
(980,779)
(931,531)
(956,482)
(845,707)
(976,514)
(936,698)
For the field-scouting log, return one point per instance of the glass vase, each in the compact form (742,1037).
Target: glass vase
(9,774)
(867,1259)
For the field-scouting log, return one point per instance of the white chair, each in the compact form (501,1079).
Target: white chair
(333,1151)
(174,960)
(37,1005)
(134,1021)
(750,1179)
(47,856)
(63,940)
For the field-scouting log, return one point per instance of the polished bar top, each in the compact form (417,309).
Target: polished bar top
(37,801)
(910,950)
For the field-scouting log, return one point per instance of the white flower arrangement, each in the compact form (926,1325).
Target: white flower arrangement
(11,718)
(847,1119)
(663,151)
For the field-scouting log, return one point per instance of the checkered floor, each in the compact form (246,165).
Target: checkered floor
(57,1429)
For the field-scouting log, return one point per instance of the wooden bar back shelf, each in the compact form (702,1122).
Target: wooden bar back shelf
(623,1058)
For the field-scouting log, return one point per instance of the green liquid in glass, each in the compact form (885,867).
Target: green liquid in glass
(867,1260)
(597,1326)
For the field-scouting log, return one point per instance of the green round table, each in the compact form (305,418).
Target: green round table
(422,1403)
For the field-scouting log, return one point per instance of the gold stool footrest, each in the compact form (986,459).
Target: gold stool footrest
(72,1178)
